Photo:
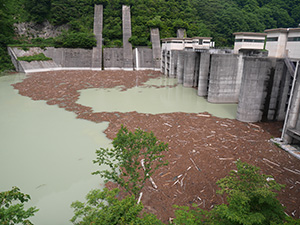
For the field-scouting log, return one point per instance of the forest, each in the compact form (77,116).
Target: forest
(214,18)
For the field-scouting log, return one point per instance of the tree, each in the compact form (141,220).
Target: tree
(250,196)
(124,159)
(6,34)
(12,212)
(251,200)
(38,10)
(103,207)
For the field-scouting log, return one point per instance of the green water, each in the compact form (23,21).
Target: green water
(47,153)
(149,99)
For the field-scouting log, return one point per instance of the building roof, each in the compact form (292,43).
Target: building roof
(183,39)
(283,30)
(294,29)
(250,34)
(277,30)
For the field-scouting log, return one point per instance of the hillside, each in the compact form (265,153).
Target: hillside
(215,18)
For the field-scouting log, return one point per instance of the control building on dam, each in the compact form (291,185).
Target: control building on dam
(264,83)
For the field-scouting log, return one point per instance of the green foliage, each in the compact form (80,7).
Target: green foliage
(214,18)
(12,212)
(6,33)
(103,207)
(124,159)
(155,22)
(251,198)
(76,40)
(38,10)
(186,216)
(37,57)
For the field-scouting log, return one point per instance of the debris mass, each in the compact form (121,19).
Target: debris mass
(202,147)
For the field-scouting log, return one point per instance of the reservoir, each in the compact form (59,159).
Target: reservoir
(152,98)
(48,153)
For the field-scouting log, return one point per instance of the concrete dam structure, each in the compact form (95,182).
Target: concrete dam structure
(265,89)
(98,58)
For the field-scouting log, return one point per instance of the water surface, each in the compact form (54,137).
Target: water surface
(149,99)
(47,153)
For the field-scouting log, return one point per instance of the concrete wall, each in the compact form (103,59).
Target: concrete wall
(253,89)
(70,57)
(113,58)
(223,77)
(143,58)
(61,58)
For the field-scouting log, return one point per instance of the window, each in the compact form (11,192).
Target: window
(259,41)
(250,40)
(294,39)
(200,41)
(253,40)
(272,38)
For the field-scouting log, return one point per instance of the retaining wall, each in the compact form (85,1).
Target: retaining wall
(113,58)
(143,58)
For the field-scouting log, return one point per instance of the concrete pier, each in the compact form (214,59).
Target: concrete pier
(204,63)
(98,27)
(189,69)
(127,47)
(173,63)
(293,121)
(180,66)
(156,48)
(274,98)
(283,94)
(253,89)
(223,79)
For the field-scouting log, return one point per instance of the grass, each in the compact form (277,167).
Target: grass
(37,57)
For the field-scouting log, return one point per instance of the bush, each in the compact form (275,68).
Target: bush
(103,207)
(76,40)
